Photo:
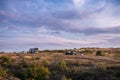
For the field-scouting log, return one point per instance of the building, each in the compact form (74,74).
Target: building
(33,50)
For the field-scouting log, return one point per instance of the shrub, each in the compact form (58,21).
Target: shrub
(102,67)
(99,53)
(5,60)
(59,66)
(3,73)
(62,65)
(87,51)
(117,55)
(38,73)
(34,72)
(63,77)
(45,63)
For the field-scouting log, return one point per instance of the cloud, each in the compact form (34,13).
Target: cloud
(69,18)
(78,3)
(32,40)
(64,23)
(45,41)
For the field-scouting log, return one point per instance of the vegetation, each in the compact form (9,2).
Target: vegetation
(99,53)
(4,60)
(58,66)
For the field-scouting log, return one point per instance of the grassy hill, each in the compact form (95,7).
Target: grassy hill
(55,65)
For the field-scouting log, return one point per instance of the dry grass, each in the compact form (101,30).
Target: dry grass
(107,60)
(72,63)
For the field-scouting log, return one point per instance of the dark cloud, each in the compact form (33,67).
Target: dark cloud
(115,2)
(92,31)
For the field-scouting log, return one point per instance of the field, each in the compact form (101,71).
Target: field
(95,64)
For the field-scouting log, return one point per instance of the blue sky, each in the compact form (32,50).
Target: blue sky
(59,24)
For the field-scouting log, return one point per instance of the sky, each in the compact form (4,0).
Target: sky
(59,24)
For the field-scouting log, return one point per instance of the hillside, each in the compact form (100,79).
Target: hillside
(53,65)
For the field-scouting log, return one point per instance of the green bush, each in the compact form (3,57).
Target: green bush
(3,73)
(59,66)
(62,65)
(5,60)
(45,63)
(40,73)
(34,72)
(99,53)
